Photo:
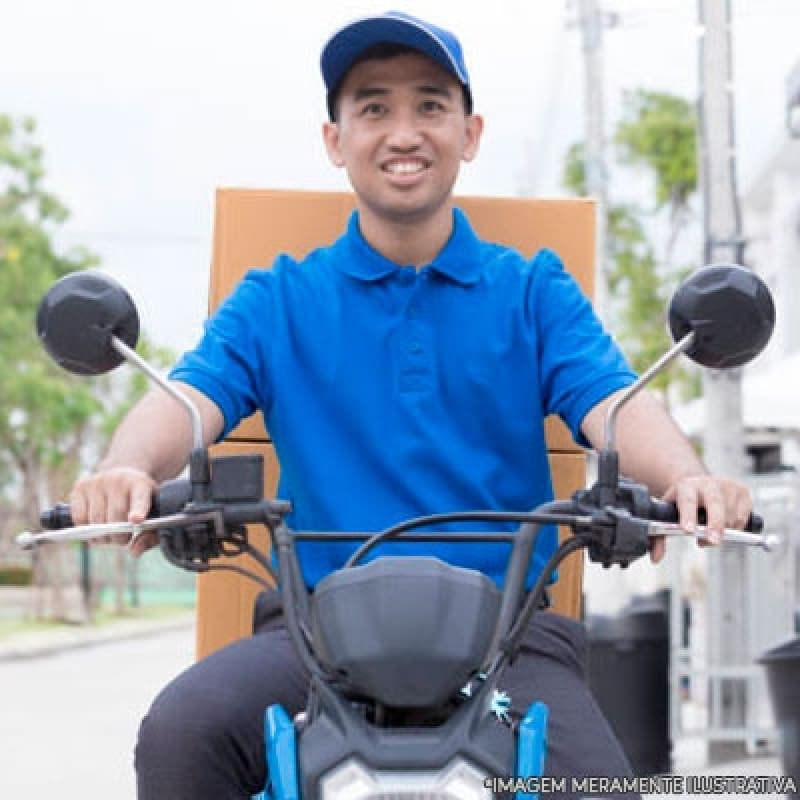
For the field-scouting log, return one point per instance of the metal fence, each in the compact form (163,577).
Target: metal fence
(710,696)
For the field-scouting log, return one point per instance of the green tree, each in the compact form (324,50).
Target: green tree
(659,133)
(49,420)
(43,413)
(656,135)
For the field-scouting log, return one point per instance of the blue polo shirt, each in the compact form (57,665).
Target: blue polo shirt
(391,392)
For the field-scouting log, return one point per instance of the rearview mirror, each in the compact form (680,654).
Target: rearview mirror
(89,325)
(729,309)
(79,315)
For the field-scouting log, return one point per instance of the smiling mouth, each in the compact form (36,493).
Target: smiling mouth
(405,167)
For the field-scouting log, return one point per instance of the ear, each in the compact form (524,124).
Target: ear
(330,135)
(472,139)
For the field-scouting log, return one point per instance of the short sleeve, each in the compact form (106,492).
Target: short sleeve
(580,364)
(231,363)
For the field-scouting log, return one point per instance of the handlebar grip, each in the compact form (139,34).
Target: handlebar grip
(755,523)
(661,511)
(170,498)
(57,517)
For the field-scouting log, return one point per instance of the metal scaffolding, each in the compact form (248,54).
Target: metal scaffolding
(772,586)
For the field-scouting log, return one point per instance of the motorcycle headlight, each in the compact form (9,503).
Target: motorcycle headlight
(352,781)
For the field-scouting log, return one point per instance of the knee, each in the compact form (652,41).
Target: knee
(183,728)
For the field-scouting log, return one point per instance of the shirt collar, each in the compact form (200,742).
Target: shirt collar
(459,260)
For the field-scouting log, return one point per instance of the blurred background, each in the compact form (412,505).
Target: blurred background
(119,120)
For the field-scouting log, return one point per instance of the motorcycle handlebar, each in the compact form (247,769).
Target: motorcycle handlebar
(173,494)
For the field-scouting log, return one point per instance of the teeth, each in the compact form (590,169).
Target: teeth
(405,167)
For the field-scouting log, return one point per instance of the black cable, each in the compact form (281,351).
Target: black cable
(566,518)
(534,598)
(259,557)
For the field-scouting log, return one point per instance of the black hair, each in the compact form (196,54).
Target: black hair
(382,51)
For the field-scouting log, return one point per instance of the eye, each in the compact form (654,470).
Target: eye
(432,107)
(373,110)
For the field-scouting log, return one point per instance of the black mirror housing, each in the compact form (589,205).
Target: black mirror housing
(77,317)
(731,311)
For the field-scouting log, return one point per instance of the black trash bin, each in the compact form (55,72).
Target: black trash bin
(629,677)
(782,664)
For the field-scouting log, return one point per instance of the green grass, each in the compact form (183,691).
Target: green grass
(103,618)
(13,627)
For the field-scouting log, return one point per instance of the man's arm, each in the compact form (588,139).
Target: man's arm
(653,450)
(151,445)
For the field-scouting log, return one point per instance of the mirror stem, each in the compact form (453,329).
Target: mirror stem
(611,418)
(132,357)
(199,472)
(607,482)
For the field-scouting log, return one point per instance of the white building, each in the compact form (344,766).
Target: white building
(771,385)
(770,210)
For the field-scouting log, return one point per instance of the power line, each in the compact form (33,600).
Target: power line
(139,238)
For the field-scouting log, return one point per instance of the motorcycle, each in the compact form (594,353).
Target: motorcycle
(404,653)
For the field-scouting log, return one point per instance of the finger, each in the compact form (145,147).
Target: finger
(96,506)
(658,548)
(743,509)
(686,499)
(117,503)
(141,499)
(143,543)
(713,501)
(78,505)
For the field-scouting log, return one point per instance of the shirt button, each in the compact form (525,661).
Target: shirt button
(406,276)
(415,347)
(413,311)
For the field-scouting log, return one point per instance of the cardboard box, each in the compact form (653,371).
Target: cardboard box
(252,226)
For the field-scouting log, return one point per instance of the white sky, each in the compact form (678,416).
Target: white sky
(145,107)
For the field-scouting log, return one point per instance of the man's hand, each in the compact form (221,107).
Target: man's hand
(118,494)
(727,503)
(653,451)
(141,454)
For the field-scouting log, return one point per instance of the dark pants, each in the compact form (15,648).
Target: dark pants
(203,737)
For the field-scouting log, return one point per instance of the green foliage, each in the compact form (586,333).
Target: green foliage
(52,424)
(47,417)
(636,283)
(658,132)
(23,171)
(657,135)
(15,576)
(37,403)
(574,176)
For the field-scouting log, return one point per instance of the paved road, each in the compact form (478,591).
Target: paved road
(68,721)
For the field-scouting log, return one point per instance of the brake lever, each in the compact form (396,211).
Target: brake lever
(766,541)
(81,533)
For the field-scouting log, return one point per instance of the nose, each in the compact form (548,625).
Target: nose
(405,133)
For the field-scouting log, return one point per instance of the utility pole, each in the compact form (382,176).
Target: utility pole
(724,433)
(793,102)
(592,21)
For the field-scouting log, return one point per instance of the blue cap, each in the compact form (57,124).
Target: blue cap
(393,27)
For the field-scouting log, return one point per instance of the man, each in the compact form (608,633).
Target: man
(406,369)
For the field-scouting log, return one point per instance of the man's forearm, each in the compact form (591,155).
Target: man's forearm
(652,448)
(156,435)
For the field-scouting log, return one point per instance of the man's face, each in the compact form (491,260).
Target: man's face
(401,133)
